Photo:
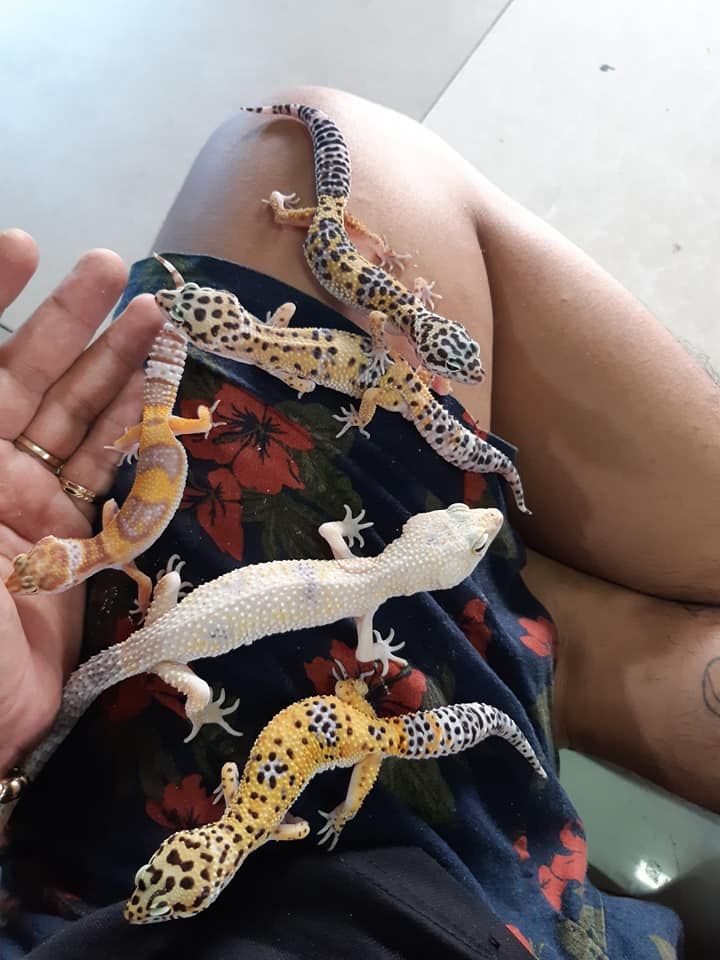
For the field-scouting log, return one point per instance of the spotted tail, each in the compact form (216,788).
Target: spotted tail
(332,160)
(460,446)
(444,731)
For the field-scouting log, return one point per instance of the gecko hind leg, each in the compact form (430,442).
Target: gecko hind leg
(200,707)
(362,781)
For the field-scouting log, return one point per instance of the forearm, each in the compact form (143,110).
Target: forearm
(637,679)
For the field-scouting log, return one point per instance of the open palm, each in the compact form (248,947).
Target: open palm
(71,401)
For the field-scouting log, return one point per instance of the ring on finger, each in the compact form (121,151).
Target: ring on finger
(77,490)
(49,460)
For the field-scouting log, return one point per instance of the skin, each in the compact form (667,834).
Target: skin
(70,402)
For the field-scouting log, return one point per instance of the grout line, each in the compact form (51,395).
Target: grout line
(496,19)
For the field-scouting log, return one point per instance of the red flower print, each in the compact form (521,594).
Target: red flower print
(256,440)
(218,509)
(184,805)
(474,627)
(474,486)
(564,867)
(540,636)
(521,937)
(401,690)
(128,699)
(521,848)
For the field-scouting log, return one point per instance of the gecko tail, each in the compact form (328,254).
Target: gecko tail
(445,731)
(332,158)
(81,690)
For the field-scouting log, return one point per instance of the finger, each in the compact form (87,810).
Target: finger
(96,378)
(92,465)
(51,340)
(18,262)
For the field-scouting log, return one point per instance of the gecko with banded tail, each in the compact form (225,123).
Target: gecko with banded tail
(192,867)
(435,551)
(443,346)
(56,564)
(353,364)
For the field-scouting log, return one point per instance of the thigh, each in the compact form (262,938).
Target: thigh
(636,678)
(407,185)
(617,427)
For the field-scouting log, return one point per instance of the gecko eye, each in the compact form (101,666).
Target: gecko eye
(29,585)
(452,365)
(480,544)
(159,909)
(141,870)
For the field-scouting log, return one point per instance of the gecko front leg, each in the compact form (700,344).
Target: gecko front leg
(336,532)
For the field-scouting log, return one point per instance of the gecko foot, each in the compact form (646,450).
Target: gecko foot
(351,526)
(214,423)
(213,712)
(349,417)
(126,456)
(175,565)
(282,200)
(332,828)
(389,260)
(425,292)
(384,651)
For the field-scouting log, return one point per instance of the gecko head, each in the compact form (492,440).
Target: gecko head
(445,347)
(186,874)
(212,319)
(450,543)
(49,566)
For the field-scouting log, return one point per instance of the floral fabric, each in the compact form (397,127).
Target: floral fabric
(258,488)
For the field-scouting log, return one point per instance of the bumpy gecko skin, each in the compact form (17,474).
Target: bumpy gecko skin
(192,867)
(53,565)
(358,366)
(435,551)
(443,346)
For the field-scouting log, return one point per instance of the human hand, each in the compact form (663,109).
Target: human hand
(71,401)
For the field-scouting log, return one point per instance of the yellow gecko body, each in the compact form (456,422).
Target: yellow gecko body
(192,867)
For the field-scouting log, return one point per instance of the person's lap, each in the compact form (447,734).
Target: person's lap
(613,421)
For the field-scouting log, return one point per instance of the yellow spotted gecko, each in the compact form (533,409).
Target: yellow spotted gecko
(443,346)
(435,551)
(355,365)
(192,867)
(53,565)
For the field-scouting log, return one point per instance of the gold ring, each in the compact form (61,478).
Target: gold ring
(53,463)
(77,490)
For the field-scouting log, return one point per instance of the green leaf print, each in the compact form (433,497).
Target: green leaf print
(541,714)
(421,787)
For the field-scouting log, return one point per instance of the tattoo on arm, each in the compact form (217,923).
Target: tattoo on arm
(711,686)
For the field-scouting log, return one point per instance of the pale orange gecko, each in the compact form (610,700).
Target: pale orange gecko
(53,565)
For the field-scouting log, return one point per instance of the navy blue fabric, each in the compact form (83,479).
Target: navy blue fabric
(258,488)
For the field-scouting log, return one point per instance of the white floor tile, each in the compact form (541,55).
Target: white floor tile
(105,105)
(603,118)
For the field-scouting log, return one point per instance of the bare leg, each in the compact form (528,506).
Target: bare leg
(615,424)
(637,680)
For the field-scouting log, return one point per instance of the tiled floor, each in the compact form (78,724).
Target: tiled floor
(601,116)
